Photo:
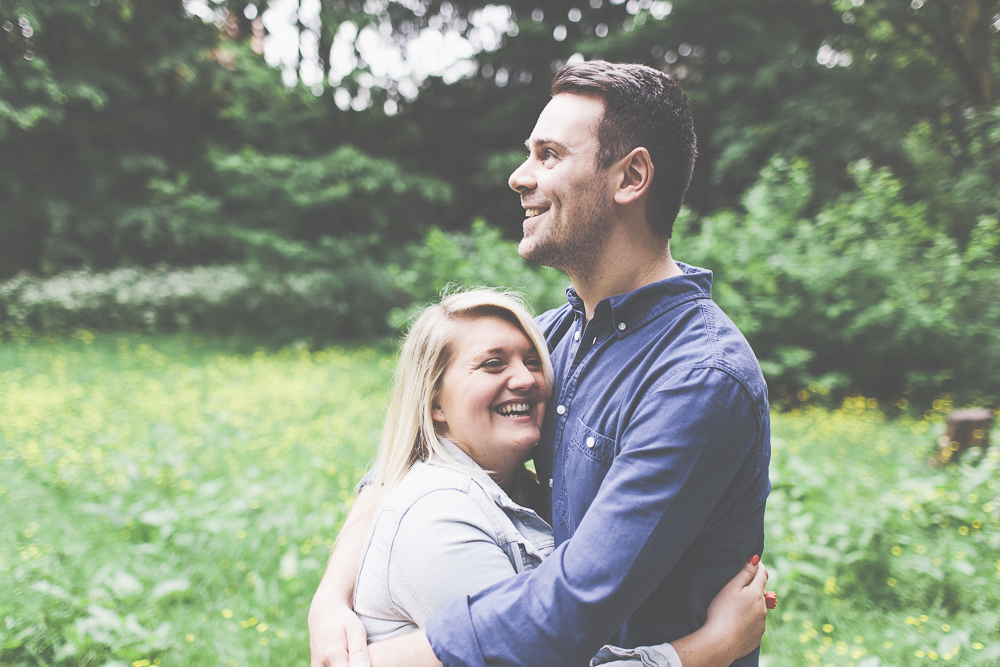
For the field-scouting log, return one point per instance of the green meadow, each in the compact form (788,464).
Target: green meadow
(166,501)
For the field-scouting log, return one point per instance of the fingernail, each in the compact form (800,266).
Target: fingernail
(754,559)
(770,599)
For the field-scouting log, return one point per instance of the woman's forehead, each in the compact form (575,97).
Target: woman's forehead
(487,333)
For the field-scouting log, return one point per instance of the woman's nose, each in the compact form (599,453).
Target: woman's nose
(522,379)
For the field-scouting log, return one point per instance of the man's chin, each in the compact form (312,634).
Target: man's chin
(526,249)
(533,248)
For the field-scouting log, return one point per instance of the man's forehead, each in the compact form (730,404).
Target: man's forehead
(568,119)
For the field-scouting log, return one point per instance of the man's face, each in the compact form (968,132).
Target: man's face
(566,197)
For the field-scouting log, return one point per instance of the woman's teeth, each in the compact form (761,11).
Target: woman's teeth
(514,409)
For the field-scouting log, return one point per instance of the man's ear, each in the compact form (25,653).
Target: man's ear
(636,175)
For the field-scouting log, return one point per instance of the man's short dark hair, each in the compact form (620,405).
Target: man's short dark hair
(642,107)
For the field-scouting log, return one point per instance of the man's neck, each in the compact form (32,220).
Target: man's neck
(623,267)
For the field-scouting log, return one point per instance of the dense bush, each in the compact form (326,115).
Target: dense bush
(480,257)
(313,306)
(866,294)
(314,293)
(872,293)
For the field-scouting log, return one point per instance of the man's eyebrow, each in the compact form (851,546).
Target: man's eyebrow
(542,141)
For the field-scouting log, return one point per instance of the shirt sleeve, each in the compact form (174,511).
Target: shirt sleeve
(686,441)
(661,655)
(444,548)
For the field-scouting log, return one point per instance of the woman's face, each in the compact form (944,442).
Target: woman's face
(493,394)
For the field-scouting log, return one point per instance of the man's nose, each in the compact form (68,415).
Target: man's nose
(522,180)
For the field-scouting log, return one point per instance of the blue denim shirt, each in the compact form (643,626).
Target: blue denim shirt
(655,446)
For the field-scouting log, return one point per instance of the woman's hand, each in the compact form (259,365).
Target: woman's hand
(739,610)
(337,637)
(735,622)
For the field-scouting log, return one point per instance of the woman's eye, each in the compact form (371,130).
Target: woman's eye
(533,363)
(493,365)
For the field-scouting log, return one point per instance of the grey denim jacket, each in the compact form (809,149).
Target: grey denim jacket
(447,531)
(443,532)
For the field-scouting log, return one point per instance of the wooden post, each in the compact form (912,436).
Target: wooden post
(966,428)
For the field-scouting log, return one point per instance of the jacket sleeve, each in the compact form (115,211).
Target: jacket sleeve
(685,443)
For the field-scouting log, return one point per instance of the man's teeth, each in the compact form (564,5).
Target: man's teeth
(514,409)
(532,212)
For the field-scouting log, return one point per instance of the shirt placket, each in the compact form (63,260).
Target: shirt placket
(580,352)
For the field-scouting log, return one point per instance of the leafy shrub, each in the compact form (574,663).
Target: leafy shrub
(481,257)
(290,291)
(866,294)
(316,305)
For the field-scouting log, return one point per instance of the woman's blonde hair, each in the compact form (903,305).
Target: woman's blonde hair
(409,435)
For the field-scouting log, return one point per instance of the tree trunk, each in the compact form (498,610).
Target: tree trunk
(976,47)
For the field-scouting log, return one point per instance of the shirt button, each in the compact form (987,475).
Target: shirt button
(550,482)
(621,326)
(591,442)
(576,336)
(561,409)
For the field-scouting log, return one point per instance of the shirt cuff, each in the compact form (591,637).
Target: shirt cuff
(453,637)
(662,655)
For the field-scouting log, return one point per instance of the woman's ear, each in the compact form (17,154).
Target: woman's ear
(437,414)
(636,175)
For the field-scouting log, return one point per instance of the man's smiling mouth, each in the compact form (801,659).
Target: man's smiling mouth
(532,212)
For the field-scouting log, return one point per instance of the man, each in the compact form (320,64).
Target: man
(657,439)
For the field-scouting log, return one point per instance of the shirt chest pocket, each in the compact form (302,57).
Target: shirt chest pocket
(591,443)
(586,457)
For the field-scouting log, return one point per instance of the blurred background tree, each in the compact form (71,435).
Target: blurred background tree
(848,154)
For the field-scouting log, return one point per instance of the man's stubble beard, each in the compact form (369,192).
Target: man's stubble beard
(572,246)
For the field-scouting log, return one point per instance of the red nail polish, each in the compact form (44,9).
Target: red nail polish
(770,599)
(754,559)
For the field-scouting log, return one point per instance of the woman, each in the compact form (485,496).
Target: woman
(466,411)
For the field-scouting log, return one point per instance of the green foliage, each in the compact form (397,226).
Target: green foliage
(480,257)
(176,502)
(312,306)
(875,556)
(135,134)
(95,99)
(312,293)
(867,294)
(163,499)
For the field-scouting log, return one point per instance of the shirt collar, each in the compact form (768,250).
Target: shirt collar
(631,310)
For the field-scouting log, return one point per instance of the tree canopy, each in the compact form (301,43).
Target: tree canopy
(154,134)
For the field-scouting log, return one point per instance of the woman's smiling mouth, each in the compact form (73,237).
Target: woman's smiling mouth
(513,409)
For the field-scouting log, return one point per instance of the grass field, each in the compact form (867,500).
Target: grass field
(164,501)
